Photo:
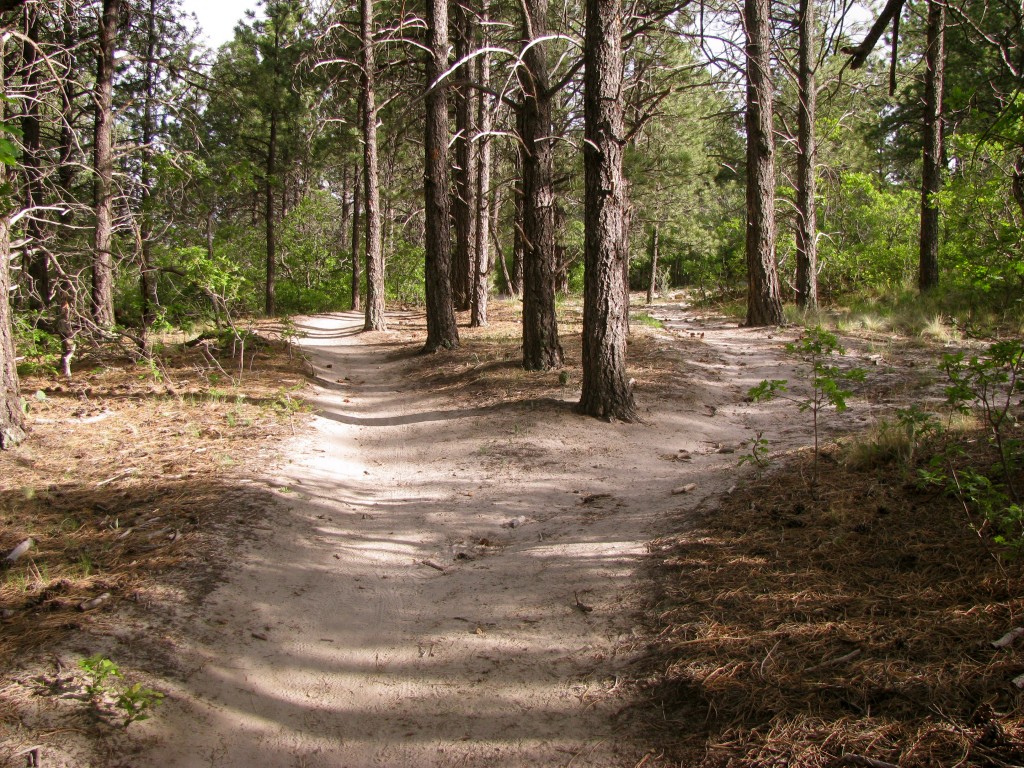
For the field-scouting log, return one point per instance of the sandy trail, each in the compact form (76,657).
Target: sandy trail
(333,644)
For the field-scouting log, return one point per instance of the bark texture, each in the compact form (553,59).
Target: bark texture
(606,390)
(931,171)
(515,285)
(806,162)
(466,169)
(442,332)
(482,256)
(12,419)
(147,269)
(541,348)
(103,164)
(271,171)
(37,267)
(764,302)
(375,320)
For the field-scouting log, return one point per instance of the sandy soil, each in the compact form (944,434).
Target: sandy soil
(415,604)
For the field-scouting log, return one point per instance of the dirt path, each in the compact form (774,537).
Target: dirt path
(415,602)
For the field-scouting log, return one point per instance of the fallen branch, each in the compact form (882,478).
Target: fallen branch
(1009,638)
(96,602)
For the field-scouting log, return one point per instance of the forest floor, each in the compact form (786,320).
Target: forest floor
(446,566)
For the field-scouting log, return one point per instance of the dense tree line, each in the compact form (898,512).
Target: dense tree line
(348,154)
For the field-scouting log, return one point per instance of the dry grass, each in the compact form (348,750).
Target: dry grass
(795,626)
(128,478)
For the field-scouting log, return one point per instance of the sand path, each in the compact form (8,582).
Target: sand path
(415,601)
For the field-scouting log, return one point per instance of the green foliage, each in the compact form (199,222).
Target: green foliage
(871,235)
(758,454)
(643,318)
(41,350)
(9,133)
(815,348)
(915,426)
(136,701)
(983,251)
(404,274)
(315,259)
(98,670)
(993,382)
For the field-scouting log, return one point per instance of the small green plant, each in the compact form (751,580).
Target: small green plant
(98,670)
(993,382)
(913,426)
(85,564)
(152,370)
(290,334)
(758,452)
(133,701)
(643,318)
(898,440)
(136,701)
(815,348)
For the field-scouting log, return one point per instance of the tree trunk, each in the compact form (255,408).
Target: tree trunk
(541,348)
(103,162)
(931,172)
(442,332)
(515,286)
(38,267)
(374,247)
(357,192)
(271,298)
(653,285)
(764,302)
(148,274)
(466,169)
(606,391)
(12,418)
(482,261)
(806,162)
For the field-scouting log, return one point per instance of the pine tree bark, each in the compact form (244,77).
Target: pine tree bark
(442,332)
(764,301)
(806,164)
(269,213)
(931,172)
(12,418)
(466,169)
(515,285)
(103,165)
(38,266)
(357,282)
(375,320)
(482,257)
(147,271)
(541,348)
(606,391)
